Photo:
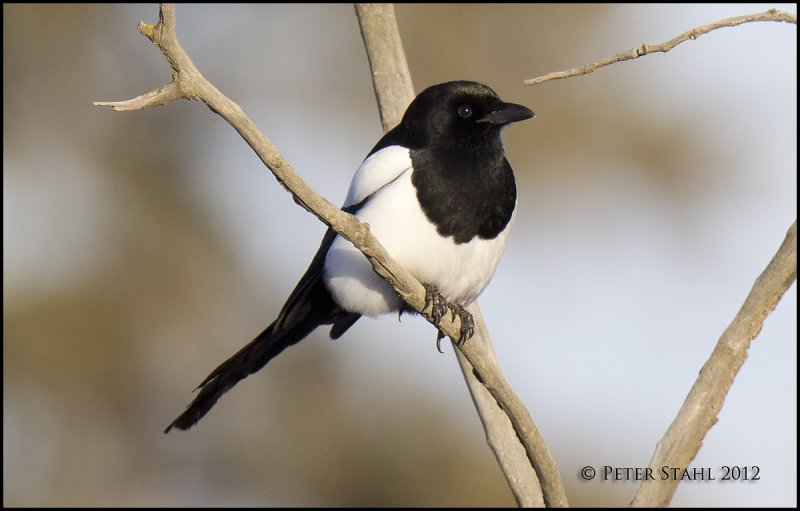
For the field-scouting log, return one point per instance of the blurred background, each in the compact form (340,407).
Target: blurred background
(142,249)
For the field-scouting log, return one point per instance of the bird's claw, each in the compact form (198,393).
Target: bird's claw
(467,323)
(439,306)
(436,302)
(439,337)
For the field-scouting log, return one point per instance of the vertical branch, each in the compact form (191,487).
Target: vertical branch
(500,433)
(387,61)
(528,465)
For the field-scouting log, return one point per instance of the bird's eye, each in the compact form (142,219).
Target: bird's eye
(465,111)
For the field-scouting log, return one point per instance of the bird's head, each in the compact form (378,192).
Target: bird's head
(459,112)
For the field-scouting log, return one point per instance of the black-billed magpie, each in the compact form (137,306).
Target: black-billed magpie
(438,193)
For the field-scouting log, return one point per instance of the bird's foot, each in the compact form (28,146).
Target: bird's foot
(436,302)
(439,306)
(467,323)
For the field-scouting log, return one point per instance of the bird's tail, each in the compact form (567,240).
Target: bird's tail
(309,306)
(245,362)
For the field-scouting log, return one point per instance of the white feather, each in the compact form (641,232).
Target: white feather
(459,271)
(376,171)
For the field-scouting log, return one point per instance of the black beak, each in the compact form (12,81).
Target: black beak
(508,113)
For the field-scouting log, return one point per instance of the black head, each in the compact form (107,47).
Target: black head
(460,112)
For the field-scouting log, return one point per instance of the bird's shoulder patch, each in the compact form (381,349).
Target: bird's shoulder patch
(379,169)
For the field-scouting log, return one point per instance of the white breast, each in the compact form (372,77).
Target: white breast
(460,272)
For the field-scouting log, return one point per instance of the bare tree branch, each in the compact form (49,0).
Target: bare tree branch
(387,61)
(683,439)
(188,83)
(158,97)
(645,49)
(528,467)
(501,433)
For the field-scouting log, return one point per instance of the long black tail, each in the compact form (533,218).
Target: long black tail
(247,361)
(309,306)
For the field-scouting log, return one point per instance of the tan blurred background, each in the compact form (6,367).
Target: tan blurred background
(141,249)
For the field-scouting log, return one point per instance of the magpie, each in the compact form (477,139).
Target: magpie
(438,193)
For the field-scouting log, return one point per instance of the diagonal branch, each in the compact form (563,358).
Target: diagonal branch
(188,83)
(683,439)
(646,49)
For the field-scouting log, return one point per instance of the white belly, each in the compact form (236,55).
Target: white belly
(460,272)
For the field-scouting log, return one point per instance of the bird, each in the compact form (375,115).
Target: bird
(438,193)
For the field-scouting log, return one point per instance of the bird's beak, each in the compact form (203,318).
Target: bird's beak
(508,113)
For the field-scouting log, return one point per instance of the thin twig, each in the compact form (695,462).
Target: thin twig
(646,49)
(683,439)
